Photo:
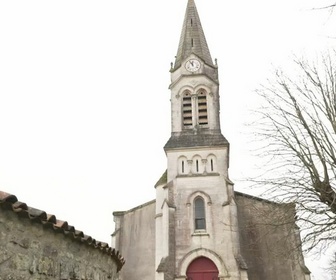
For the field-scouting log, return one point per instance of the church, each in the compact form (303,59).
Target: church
(198,227)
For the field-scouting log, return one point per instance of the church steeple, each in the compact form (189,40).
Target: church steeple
(192,38)
(194,90)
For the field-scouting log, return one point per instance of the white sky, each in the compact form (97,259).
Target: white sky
(84,99)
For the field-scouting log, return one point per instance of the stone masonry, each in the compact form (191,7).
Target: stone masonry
(36,246)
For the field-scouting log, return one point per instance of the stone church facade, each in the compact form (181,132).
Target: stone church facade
(198,227)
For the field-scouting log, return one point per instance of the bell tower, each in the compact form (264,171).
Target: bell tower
(194,86)
(196,216)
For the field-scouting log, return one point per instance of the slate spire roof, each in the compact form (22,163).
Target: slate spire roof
(192,38)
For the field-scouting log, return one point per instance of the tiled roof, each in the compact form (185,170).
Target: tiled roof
(162,180)
(10,202)
(203,138)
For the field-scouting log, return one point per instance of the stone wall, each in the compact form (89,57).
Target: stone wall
(134,237)
(36,246)
(270,243)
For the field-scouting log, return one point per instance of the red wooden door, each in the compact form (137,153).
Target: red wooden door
(202,269)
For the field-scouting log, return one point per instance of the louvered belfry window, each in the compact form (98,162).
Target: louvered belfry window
(195,109)
(187,109)
(202,108)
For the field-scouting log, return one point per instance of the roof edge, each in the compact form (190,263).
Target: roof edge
(9,202)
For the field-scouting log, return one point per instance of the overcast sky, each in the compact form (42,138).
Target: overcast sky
(84,99)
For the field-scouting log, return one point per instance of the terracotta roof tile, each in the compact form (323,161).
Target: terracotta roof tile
(10,202)
(37,214)
(51,218)
(6,197)
(61,224)
(19,206)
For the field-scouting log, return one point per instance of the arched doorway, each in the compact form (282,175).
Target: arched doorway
(202,269)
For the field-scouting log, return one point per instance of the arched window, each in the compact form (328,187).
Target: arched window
(199,210)
(182,166)
(187,109)
(194,108)
(211,164)
(197,165)
(202,108)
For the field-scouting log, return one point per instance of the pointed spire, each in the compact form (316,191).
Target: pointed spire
(192,38)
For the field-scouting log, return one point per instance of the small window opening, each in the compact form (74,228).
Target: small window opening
(183,166)
(199,214)
(192,42)
(191,21)
(211,165)
(197,165)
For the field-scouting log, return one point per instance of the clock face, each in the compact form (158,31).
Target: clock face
(192,65)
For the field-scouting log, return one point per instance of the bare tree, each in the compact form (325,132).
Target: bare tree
(297,129)
(326,5)
(330,6)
